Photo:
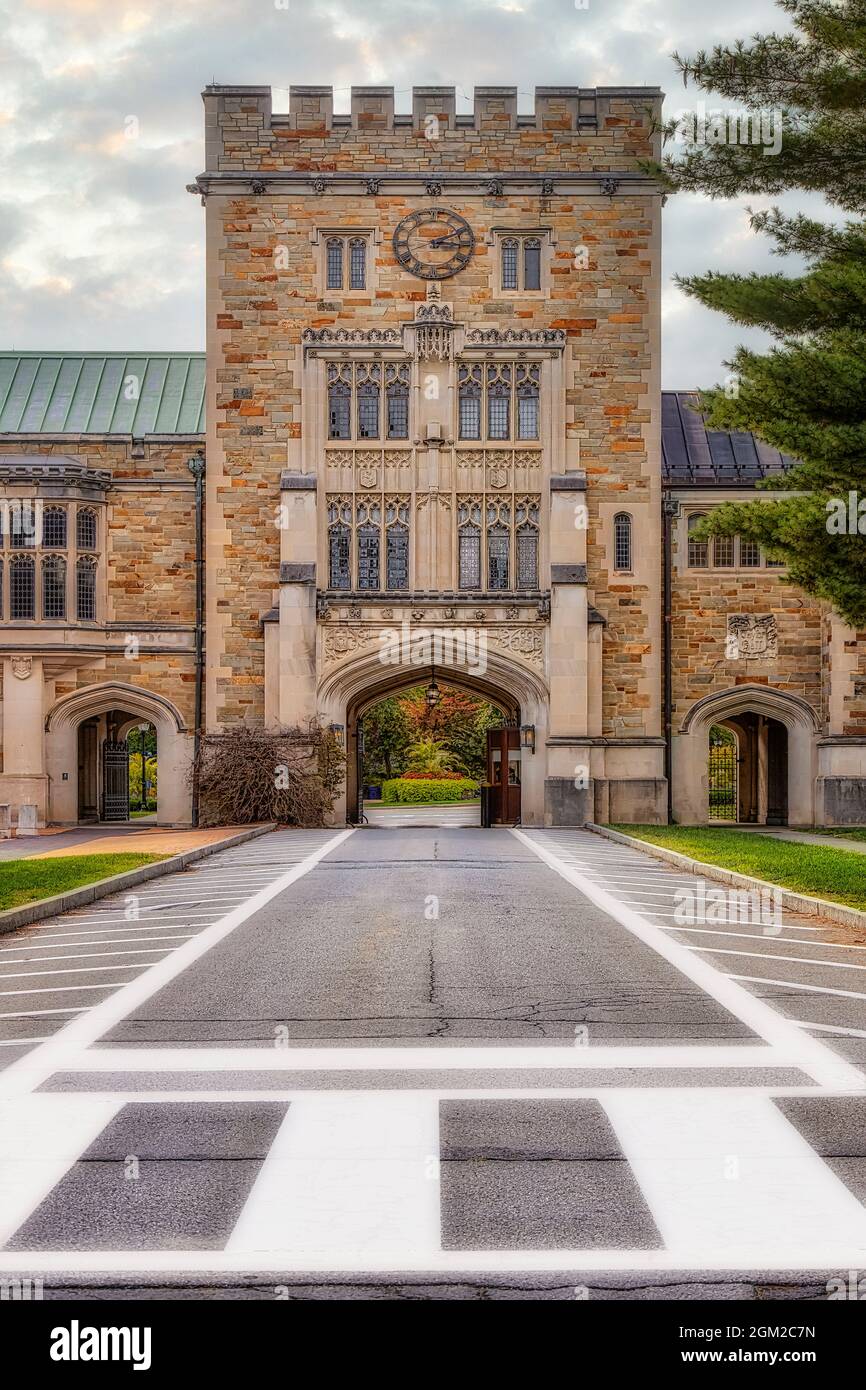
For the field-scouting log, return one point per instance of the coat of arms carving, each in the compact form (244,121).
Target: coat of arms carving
(751,636)
(22,666)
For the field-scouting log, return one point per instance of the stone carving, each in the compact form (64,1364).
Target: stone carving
(498,477)
(418,615)
(751,636)
(547,188)
(480,615)
(258,186)
(494,188)
(498,337)
(526,642)
(387,615)
(363,337)
(373,185)
(21,667)
(368,477)
(433,189)
(512,613)
(609,186)
(522,641)
(340,641)
(355,610)
(450,613)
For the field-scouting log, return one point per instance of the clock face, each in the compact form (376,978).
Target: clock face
(433,243)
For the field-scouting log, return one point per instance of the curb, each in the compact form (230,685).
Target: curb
(795,902)
(21,916)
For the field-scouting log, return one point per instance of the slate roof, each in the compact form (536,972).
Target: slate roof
(694,455)
(86,393)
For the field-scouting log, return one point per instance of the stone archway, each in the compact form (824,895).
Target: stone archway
(744,708)
(133,704)
(361,681)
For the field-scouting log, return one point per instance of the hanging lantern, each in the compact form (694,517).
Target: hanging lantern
(431,694)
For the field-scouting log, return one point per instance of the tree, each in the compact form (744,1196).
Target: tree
(807,395)
(430,755)
(387,734)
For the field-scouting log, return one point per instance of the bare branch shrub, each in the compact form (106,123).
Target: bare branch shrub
(252,774)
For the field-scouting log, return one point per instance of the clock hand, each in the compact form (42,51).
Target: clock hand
(444,241)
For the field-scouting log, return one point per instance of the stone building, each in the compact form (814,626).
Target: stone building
(432,436)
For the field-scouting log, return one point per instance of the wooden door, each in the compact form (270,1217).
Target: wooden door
(504,774)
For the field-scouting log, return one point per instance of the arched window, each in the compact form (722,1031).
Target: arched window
(397,543)
(526,519)
(527,401)
(397,395)
(698,550)
(22,588)
(368,377)
(339,540)
(85,588)
(498,544)
(498,400)
(357,264)
(532,263)
(22,524)
(510,247)
(54,528)
(334,256)
(339,400)
(86,529)
(622,541)
(469,543)
(54,588)
(369,517)
(469,392)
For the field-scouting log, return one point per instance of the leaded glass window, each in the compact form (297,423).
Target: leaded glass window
(357,263)
(397,542)
(86,529)
(22,588)
(368,378)
(509,263)
(54,528)
(498,544)
(85,589)
(369,517)
(469,393)
(527,401)
(54,587)
(698,550)
(723,552)
(334,256)
(397,396)
(622,541)
(532,263)
(339,400)
(750,553)
(339,542)
(22,524)
(469,543)
(498,401)
(527,519)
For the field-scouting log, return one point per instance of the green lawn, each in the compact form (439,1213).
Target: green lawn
(28,880)
(817,870)
(858,833)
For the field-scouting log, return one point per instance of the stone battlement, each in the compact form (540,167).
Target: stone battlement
(612,126)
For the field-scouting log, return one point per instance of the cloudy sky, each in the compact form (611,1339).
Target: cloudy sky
(100,245)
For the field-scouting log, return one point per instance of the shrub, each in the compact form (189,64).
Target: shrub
(251,774)
(434,776)
(414,790)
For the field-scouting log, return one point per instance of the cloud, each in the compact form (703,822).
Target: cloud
(101,128)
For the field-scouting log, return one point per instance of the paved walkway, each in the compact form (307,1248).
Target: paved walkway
(115,839)
(407,817)
(445,1062)
(809,837)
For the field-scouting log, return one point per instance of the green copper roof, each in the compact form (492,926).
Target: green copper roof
(102,393)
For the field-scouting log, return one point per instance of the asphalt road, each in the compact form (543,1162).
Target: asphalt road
(431,1063)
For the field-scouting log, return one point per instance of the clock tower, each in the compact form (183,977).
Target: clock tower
(433,394)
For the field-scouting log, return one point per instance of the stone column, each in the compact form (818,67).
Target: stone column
(23,780)
(290,689)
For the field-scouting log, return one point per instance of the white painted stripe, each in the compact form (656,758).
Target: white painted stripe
(728,1174)
(27,1073)
(815,1058)
(352,1176)
(112,941)
(39,1013)
(767,935)
(832,1028)
(86,955)
(790,984)
(41,1136)
(61,989)
(72,970)
(771,955)
(445,1058)
(20,1042)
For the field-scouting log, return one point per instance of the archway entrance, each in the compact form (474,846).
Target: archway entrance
(423,754)
(748,770)
(117,768)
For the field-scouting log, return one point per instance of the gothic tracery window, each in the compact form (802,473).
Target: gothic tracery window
(339,400)
(622,541)
(22,588)
(469,400)
(346,262)
(369,540)
(339,542)
(86,529)
(368,378)
(520,263)
(469,542)
(498,544)
(397,397)
(397,543)
(499,376)
(527,532)
(528,376)
(85,588)
(54,587)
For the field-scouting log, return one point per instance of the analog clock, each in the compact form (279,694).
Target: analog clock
(433,243)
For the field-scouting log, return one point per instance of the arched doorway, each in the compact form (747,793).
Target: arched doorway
(88,757)
(775,735)
(362,681)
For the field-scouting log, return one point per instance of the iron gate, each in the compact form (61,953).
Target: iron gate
(115,781)
(723,776)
